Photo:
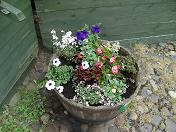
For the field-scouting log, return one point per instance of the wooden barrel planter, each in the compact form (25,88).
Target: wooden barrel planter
(96,114)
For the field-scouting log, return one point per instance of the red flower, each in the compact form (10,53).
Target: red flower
(99,64)
(115,69)
(112,60)
(99,51)
(118,66)
(103,58)
(80,56)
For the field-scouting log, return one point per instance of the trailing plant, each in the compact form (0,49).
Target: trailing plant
(27,110)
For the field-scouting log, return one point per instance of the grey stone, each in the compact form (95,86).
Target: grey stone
(146,128)
(45,118)
(155,110)
(170,68)
(174,108)
(153,84)
(156,120)
(170,126)
(154,98)
(14,99)
(165,102)
(112,129)
(159,130)
(170,47)
(172,94)
(156,78)
(133,115)
(142,108)
(165,111)
(26,81)
(143,81)
(145,92)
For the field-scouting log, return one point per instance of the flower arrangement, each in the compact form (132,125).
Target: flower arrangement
(96,72)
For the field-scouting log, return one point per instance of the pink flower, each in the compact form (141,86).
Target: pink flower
(99,64)
(115,69)
(99,51)
(112,60)
(103,58)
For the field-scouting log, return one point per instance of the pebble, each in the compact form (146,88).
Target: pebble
(172,94)
(154,98)
(146,128)
(142,108)
(165,102)
(156,120)
(153,84)
(170,126)
(45,118)
(145,92)
(165,111)
(174,108)
(133,115)
(65,112)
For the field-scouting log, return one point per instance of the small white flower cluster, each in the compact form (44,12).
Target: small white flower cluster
(52,85)
(66,40)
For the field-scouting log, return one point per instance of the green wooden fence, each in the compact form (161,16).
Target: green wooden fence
(127,20)
(18,45)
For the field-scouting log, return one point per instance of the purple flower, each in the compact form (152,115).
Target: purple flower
(81,35)
(95,29)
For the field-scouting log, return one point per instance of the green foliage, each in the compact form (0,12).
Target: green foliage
(87,94)
(31,106)
(26,111)
(68,52)
(9,122)
(60,74)
(129,64)
(113,89)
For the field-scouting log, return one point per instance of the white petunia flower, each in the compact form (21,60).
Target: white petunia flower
(56,62)
(55,37)
(85,65)
(60,89)
(62,31)
(53,31)
(50,85)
